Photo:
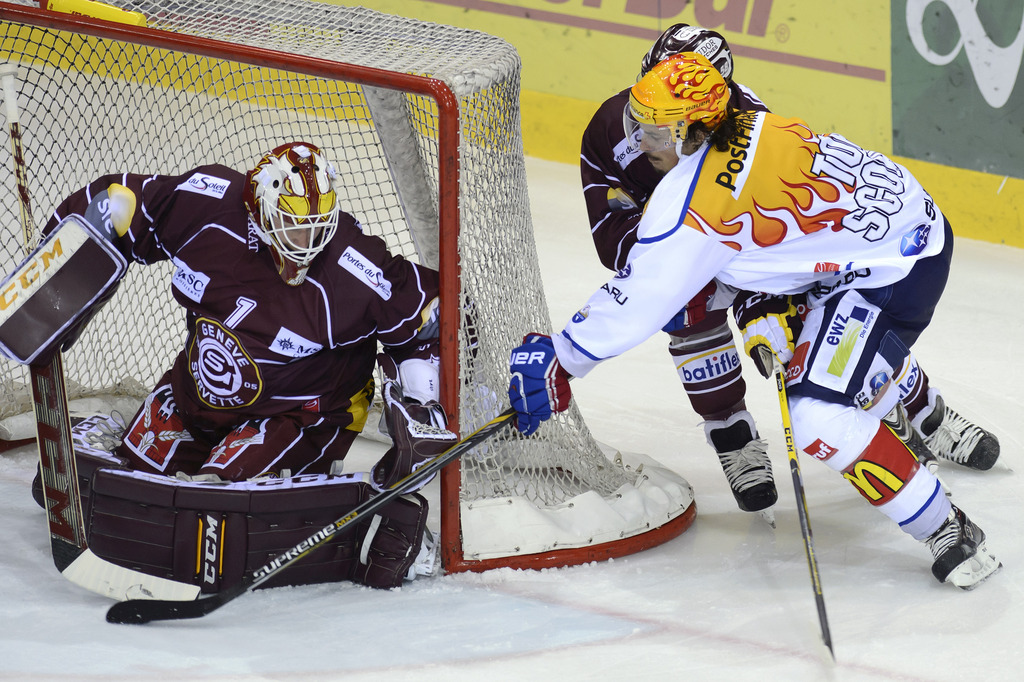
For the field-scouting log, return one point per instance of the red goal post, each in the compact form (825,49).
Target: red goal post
(434,162)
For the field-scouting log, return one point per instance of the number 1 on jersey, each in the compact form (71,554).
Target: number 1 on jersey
(243,306)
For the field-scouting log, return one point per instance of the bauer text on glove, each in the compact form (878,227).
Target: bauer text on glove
(540,385)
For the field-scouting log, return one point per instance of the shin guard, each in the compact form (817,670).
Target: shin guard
(889,476)
(708,365)
(878,464)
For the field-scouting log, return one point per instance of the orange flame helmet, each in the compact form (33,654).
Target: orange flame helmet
(290,196)
(680,91)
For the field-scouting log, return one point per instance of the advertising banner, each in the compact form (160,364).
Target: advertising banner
(957,83)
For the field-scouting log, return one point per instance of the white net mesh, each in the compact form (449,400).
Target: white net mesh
(91,106)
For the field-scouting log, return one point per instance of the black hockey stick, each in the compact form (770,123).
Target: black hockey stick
(146,610)
(768,357)
(57,466)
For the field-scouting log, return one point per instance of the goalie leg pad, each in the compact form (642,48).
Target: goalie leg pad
(299,443)
(157,441)
(213,534)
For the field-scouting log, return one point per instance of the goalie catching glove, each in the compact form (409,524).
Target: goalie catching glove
(539,385)
(418,427)
(768,320)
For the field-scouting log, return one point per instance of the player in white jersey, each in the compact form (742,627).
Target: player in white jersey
(763,203)
(618,179)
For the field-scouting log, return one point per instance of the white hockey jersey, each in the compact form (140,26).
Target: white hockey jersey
(783,210)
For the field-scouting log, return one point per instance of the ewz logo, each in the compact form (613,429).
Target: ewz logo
(843,324)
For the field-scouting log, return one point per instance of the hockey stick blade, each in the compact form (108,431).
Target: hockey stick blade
(139,611)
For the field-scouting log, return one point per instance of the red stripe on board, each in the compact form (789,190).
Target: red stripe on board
(651,34)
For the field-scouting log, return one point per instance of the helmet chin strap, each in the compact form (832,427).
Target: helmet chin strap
(291,272)
(694,150)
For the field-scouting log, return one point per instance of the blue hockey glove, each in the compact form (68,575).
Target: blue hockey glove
(539,385)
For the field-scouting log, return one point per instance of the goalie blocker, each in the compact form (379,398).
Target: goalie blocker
(212,534)
(56,290)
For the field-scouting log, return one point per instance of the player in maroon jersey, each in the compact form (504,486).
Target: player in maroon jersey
(618,178)
(234,455)
(286,300)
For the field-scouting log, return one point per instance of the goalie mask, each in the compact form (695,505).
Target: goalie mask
(685,38)
(290,196)
(682,90)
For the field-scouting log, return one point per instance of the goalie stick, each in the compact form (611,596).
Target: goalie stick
(768,358)
(58,470)
(137,611)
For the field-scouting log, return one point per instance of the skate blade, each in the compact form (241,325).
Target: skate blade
(976,570)
(768,515)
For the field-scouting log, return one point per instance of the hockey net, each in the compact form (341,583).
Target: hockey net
(422,122)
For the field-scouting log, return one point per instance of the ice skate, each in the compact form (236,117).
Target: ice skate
(954,438)
(744,459)
(428,560)
(961,557)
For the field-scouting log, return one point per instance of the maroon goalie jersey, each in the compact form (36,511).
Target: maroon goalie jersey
(618,179)
(257,347)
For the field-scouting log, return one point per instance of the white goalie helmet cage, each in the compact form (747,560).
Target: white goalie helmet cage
(290,196)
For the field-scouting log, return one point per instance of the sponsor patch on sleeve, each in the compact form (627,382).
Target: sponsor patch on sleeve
(189,282)
(210,185)
(366,272)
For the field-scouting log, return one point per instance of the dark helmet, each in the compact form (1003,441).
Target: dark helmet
(685,38)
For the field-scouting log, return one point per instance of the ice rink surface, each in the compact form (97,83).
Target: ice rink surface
(730,599)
